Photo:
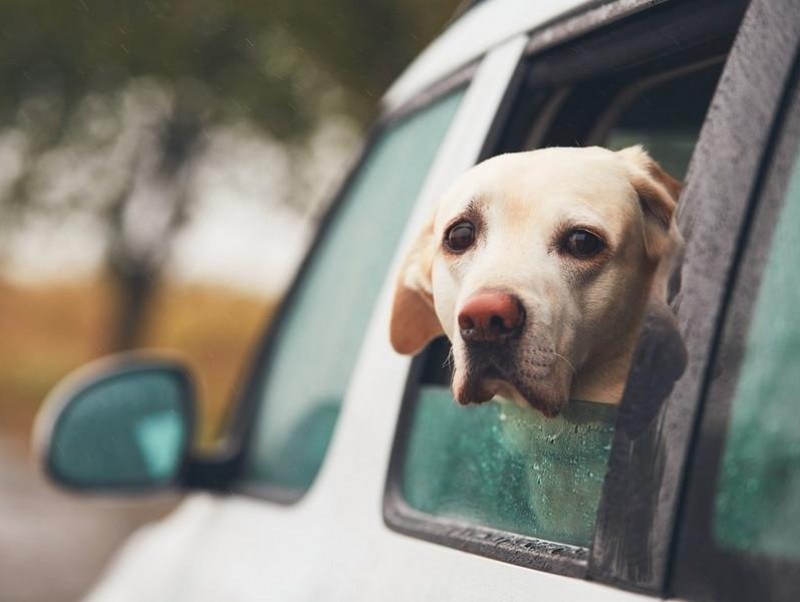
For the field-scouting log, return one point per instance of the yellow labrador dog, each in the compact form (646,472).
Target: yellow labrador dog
(538,266)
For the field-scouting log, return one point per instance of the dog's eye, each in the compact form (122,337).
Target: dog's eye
(582,243)
(460,236)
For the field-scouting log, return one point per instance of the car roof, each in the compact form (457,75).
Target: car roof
(467,38)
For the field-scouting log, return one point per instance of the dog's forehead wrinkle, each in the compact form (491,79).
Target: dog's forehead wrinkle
(533,209)
(539,197)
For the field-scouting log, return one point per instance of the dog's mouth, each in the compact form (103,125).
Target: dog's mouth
(506,373)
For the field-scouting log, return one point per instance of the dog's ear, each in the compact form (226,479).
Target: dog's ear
(414,322)
(658,194)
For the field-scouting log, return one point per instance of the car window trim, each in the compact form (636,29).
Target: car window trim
(634,537)
(432,93)
(699,564)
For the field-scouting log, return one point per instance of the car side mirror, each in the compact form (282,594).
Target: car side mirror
(124,423)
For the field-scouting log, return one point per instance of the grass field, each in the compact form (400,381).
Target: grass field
(47,331)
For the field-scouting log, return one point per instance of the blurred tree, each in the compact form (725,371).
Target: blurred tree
(109,103)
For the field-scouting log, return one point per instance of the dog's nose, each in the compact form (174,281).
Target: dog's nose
(491,317)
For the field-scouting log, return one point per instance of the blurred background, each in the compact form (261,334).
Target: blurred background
(162,167)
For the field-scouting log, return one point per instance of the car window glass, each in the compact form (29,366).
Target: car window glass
(503,466)
(758,489)
(319,337)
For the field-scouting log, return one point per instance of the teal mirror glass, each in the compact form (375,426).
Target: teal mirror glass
(501,466)
(127,428)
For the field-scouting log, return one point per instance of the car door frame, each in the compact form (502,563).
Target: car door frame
(701,568)
(637,520)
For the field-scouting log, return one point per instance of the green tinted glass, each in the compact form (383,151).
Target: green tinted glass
(318,341)
(501,466)
(126,430)
(757,505)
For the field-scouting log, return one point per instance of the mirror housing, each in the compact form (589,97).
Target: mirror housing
(120,424)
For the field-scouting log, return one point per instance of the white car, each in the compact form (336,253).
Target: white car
(349,473)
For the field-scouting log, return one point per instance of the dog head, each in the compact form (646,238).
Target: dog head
(538,266)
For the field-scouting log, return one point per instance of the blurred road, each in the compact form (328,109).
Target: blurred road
(54,545)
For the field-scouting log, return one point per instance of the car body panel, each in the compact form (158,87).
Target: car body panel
(236,550)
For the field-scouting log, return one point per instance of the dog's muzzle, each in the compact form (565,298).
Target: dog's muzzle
(498,359)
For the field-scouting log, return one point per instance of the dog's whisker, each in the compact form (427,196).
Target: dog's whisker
(569,363)
(449,359)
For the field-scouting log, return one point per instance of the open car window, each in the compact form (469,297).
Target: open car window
(502,480)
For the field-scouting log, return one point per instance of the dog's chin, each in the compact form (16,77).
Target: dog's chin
(543,395)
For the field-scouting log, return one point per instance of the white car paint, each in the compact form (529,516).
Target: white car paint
(333,544)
